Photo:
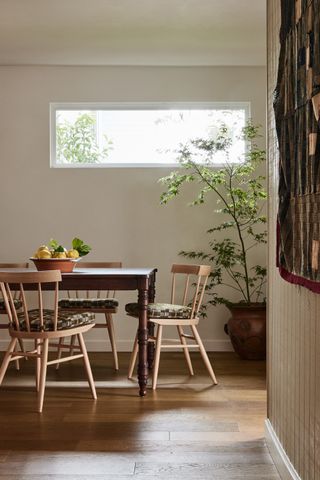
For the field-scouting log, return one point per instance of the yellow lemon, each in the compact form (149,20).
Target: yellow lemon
(73,254)
(59,255)
(35,255)
(44,254)
(43,247)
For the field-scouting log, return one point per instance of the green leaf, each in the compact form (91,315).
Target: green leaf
(77,243)
(53,244)
(81,247)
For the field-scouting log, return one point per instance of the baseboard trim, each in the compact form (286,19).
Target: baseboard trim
(101,345)
(281,460)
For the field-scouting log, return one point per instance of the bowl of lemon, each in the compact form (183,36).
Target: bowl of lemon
(55,256)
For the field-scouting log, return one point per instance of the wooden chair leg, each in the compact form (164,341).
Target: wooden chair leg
(7,357)
(157,357)
(59,353)
(185,350)
(204,354)
(87,365)
(133,357)
(38,364)
(17,362)
(22,346)
(43,372)
(110,328)
(72,344)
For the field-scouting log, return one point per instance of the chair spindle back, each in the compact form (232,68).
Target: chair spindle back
(195,278)
(18,280)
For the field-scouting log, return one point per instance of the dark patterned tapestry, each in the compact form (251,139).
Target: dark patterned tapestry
(297,109)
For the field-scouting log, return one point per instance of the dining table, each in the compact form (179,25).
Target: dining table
(141,280)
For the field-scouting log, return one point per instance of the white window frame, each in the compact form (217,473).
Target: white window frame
(54,106)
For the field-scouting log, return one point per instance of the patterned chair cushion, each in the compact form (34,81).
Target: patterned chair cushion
(17,304)
(160,310)
(65,320)
(88,303)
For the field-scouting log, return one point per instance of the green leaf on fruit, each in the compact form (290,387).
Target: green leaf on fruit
(80,246)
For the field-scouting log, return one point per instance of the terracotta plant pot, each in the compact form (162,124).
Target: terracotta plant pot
(65,265)
(247,330)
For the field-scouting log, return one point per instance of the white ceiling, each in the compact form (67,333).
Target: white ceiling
(132,32)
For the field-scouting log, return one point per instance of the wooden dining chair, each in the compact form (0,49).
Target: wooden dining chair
(103,302)
(194,279)
(42,326)
(16,299)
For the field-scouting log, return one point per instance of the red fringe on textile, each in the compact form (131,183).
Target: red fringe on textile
(296,280)
(291,277)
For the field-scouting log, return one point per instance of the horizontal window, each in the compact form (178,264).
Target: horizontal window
(133,135)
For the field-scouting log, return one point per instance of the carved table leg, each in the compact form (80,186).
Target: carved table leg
(143,341)
(151,296)
(150,346)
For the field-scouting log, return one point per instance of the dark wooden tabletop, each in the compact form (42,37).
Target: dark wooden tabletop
(94,271)
(108,279)
(123,272)
(98,278)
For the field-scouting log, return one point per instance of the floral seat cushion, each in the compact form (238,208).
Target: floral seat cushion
(17,304)
(161,310)
(88,303)
(65,320)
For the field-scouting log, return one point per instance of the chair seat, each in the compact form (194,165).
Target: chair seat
(66,321)
(161,310)
(88,303)
(17,304)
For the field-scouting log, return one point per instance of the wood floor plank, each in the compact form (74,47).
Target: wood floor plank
(175,424)
(216,436)
(63,466)
(33,459)
(176,447)
(135,477)
(194,470)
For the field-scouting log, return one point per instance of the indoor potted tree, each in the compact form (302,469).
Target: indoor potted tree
(238,227)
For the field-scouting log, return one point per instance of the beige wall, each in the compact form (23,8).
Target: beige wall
(293,329)
(117,211)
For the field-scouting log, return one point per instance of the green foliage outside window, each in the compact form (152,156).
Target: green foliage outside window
(77,143)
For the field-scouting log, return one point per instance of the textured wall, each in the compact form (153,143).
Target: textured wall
(293,329)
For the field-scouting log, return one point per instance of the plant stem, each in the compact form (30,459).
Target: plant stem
(231,286)
(234,278)
(243,248)
(212,187)
(232,212)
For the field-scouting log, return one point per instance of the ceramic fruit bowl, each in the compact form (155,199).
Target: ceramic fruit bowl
(65,265)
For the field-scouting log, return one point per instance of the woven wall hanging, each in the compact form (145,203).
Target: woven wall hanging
(297,110)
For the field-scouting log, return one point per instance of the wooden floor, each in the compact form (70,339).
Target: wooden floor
(187,429)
